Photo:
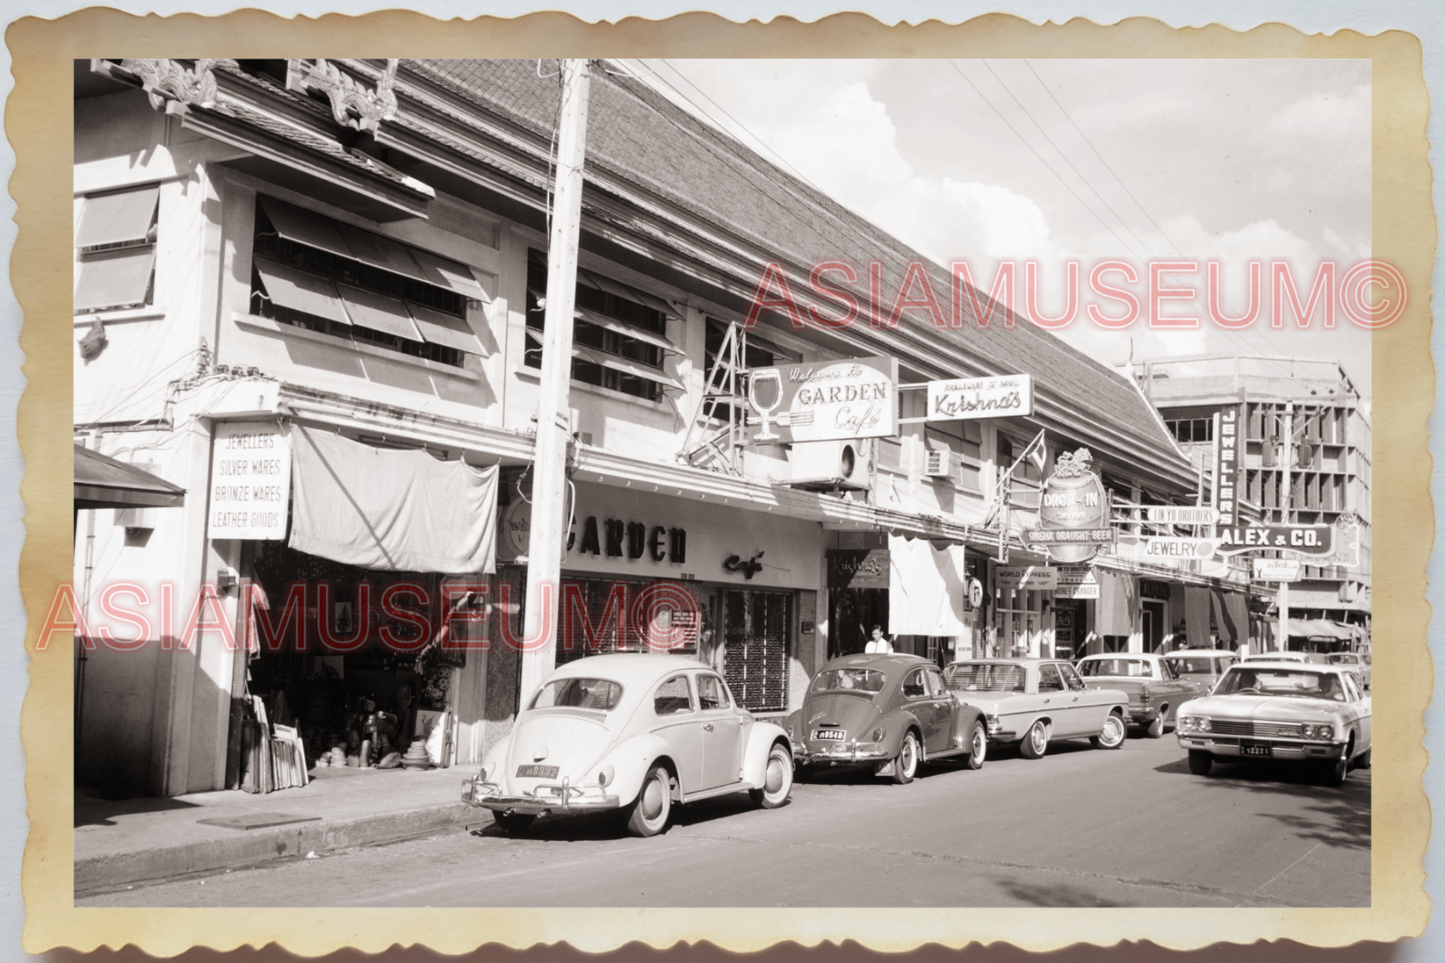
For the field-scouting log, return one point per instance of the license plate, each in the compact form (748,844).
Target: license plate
(1255,749)
(536,772)
(828,734)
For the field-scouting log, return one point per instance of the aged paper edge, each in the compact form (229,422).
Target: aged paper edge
(38,123)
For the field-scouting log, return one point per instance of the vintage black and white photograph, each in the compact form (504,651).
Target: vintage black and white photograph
(723,483)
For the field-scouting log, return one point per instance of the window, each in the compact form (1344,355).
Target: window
(599,694)
(619,335)
(672,697)
(322,275)
(1191,429)
(914,686)
(1049,680)
(711,693)
(1071,678)
(116,239)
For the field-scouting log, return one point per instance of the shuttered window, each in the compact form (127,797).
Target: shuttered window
(116,238)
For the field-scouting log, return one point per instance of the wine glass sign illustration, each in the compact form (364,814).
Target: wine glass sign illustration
(765,391)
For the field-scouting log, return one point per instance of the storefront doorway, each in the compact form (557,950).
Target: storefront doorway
(854,613)
(1153,624)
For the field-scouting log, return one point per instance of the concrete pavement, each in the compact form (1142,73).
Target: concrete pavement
(1080,827)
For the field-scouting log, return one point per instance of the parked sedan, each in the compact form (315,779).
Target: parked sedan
(1289,710)
(635,733)
(1205,666)
(1356,662)
(1032,702)
(1155,690)
(891,712)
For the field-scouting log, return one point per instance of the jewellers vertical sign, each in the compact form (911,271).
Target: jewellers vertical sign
(250,480)
(1229,465)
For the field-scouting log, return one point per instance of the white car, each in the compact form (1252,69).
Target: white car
(1286,709)
(634,733)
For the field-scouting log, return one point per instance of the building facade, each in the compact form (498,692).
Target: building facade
(341,265)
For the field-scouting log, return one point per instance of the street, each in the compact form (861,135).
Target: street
(1081,827)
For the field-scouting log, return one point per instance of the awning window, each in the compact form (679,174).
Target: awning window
(378,312)
(449,274)
(440,328)
(619,327)
(632,368)
(625,292)
(117,218)
(381,252)
(114,279)
(301,291)
(304,227)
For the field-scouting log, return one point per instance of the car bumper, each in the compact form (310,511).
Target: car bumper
(836,755)
(548,799)
(1279,748)
(1140,716)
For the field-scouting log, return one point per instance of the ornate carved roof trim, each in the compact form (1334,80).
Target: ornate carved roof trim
(352,104)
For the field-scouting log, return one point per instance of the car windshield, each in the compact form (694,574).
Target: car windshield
(599,694)
(985,677)
(850,680)
(1184,665)
(1115,667)
(1298,683)
(1345,657)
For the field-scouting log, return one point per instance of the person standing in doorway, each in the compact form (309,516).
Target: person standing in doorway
(878,644)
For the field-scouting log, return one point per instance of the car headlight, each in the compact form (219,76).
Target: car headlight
(1193,724)
(1319,732)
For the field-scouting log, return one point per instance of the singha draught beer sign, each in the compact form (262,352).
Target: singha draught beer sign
(1073,511)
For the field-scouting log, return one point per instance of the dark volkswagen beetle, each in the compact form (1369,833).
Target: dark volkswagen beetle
(891,712)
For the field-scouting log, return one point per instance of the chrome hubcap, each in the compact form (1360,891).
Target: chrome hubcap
(775,775)
(652,799)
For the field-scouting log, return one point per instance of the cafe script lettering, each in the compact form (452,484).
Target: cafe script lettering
(837,400)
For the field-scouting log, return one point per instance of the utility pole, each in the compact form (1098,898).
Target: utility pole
(1284,500)
(549,464)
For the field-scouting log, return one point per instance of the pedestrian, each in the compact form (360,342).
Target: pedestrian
(878,644)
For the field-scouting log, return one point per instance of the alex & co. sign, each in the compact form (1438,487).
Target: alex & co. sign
(1303,539)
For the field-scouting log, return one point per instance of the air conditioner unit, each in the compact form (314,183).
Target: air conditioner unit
(830,464)
(938,464)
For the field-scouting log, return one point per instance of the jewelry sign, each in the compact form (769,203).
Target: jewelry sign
(250,481)
(970,398)
(827,401)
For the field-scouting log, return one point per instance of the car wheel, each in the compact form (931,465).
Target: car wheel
(905,764)
(1335,775)
(1036,741)
(777,782)
(1156,727)
(1111,736)
(1364,761)
(1200,762)
(648,813)
(977,747)
(513,822)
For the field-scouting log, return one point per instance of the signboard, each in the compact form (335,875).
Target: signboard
(1229,463)
(1314,540)
(250,480)
(828,401)
(970,398)
(1181,515)
(1076,582)
(1276,569)
(1171,547)
(1037,577)
(1073,511)
(857,568)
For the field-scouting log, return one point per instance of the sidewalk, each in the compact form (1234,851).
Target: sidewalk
(120,842)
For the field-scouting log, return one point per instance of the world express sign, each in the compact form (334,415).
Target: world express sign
(1302,539)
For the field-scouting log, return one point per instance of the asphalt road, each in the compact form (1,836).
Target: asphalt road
(1080,827)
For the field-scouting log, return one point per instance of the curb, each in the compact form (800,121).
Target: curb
(95,873)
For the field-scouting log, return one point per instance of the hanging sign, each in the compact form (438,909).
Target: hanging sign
(857,568)
(1172,547)
(1276,569)
(250,480)
(1076,582)
(1073,511)
(1181,515)
(1313,540)
(1230,464)
(1036,577)
(970,398)
(827,401)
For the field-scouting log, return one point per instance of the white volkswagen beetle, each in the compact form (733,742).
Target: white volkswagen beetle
(635,733)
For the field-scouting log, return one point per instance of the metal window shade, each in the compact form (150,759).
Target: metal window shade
(114,278)
(450,275)
(378,312)
(300,291)
(629,330)
(304,227)
(381,252)
(626,292)
(117,218)
(445,329)
(606,360)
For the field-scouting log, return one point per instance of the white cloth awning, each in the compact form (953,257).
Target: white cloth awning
(926,588)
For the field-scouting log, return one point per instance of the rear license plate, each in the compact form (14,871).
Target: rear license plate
(536,772)
(828,734)
(1255,749)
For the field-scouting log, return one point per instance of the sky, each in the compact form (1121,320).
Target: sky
(1087,160)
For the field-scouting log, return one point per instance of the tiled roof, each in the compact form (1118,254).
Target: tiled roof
(640,136)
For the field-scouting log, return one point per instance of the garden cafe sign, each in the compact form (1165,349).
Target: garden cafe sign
(827,401)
